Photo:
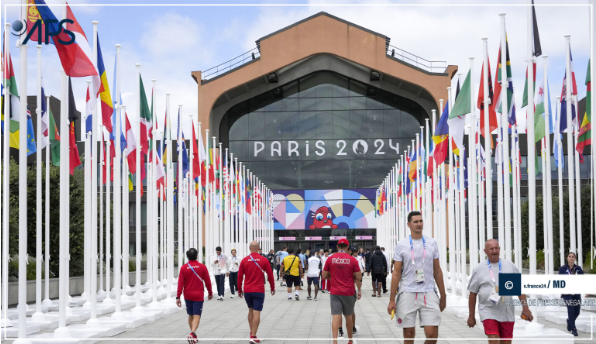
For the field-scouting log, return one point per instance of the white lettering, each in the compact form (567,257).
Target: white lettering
(319,145)
(259,147)
(276,147)
(343,146)
(340,260)
(293,149)
(395,148)
(382,143)
(307,148)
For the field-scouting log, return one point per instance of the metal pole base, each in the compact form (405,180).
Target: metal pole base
(5,322)
(139,310)
(62,332)
(38,316)
(46,302)
(93,323)
(118,316)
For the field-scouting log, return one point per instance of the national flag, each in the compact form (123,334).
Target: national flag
(76,57)
(54,140)
(492,115)
(31,147)
(32,17)
(525,96)
(413,166)
(563,117)
(131,147)
(441,137)
(185,164)
(556,147)
(585,130)
(75,160)
(11,83)
(196,162)
(107,108)
(539,112)
(462,105)
(498,93)
(536,51)
(145,119)
(88,119)
(44,140)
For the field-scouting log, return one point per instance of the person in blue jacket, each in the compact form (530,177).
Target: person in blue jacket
(572,301)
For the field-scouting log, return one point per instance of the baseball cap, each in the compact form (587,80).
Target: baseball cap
(343,241)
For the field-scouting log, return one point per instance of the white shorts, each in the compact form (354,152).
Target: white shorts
(425,304)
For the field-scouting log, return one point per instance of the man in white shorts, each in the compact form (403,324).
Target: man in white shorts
(418,255)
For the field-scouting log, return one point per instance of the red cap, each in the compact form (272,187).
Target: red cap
(343,241)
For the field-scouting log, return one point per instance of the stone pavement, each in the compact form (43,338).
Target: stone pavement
(294,322)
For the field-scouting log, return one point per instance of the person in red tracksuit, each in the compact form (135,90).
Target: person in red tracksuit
(192,280)
(252,273)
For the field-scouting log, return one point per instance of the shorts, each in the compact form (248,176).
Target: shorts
(194,307)
(378,277)
(293,281)
(341,304)
(255,300)
(311,280)
(503,329)
(426,305)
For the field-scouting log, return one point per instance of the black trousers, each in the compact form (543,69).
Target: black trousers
(573,303)
(233,279)
(220,280)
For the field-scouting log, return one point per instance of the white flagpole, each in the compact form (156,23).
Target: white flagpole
(559,153)
(38,315)
(125,218)
(505,142)
(570,160)
(191,188)
(516,201)
(62,331)
(152,202)
(47,301)
(548,177)
(220,224)
(118,197)
(6,181)
(578,194)
(208,233)
(462,228)
(487,145)
(23,257)
(100,291)
(180,183)
(138,309)
(450,207)
(108,300)
(87,205)
(472,183)
(200,206)
(170,207)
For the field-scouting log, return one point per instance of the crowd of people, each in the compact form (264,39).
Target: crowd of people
(417,289)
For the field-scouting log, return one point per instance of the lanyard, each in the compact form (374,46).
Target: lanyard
(569,272)
(423,252)
(491,269)
(193,270)
(250,256)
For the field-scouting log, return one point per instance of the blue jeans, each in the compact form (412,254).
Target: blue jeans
(219,281)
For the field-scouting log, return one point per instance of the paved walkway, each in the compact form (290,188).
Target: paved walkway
(294,322)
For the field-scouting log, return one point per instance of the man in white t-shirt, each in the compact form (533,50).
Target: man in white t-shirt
(418,256)
(324,282)
(313,266)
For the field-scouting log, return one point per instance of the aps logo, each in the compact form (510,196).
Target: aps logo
(20,28)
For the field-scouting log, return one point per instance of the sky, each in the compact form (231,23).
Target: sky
(172,40)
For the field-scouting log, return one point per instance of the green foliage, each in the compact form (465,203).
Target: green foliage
(585,213)
(13,269)
(76,233)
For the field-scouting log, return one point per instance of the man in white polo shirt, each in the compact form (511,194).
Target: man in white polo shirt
(418,256)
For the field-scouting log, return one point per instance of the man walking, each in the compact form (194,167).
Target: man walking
(192,280)
(283,254)
(418,255)
(233,274)
(388,264)
(312,274)
(343,271)
(252,274)
(324,282)
(293,273)
(220,269)
(378,267)
(497,316)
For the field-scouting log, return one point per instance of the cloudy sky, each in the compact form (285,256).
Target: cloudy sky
(170,41)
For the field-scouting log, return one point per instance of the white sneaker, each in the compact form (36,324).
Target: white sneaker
(231,297)
(289,299)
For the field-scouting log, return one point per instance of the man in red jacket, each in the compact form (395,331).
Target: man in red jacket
(192,280)
(252,273)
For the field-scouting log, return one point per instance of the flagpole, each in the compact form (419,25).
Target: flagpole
(578,187)
(87,206)
(570,162)
(118,197)
(125,217)
(153,202)
(549,187)
(170,208)
(472,183)
(100,291)
(220,213)
(108,300)
(487,145)
(38,315)
(208,233)
(516,204)
(47,301)
(200,201)
(180,183)
(139,309)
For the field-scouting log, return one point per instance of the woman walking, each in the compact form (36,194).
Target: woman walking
(572,301)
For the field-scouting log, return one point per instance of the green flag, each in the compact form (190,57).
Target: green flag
(54,140)
(463,103)
(539,122)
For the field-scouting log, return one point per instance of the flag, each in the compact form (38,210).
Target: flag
(498,94)
(44,140)
(413,166)
(131,146)
(539,112)
(114,114)
(563,117)
(585,130)
(492,115)
(185,165)
(196,162)
(11,83)
(32,17)
(441,137)
(556,146)
(31,146)
(54,140)
(88,119)
(462,105)
(76,57)
(107,108)
(73,150)
(145,119)
(525,96)
(536,51)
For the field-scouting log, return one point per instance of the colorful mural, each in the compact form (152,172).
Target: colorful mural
(321,209)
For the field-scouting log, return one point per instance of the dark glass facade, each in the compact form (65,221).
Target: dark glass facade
(323,131)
